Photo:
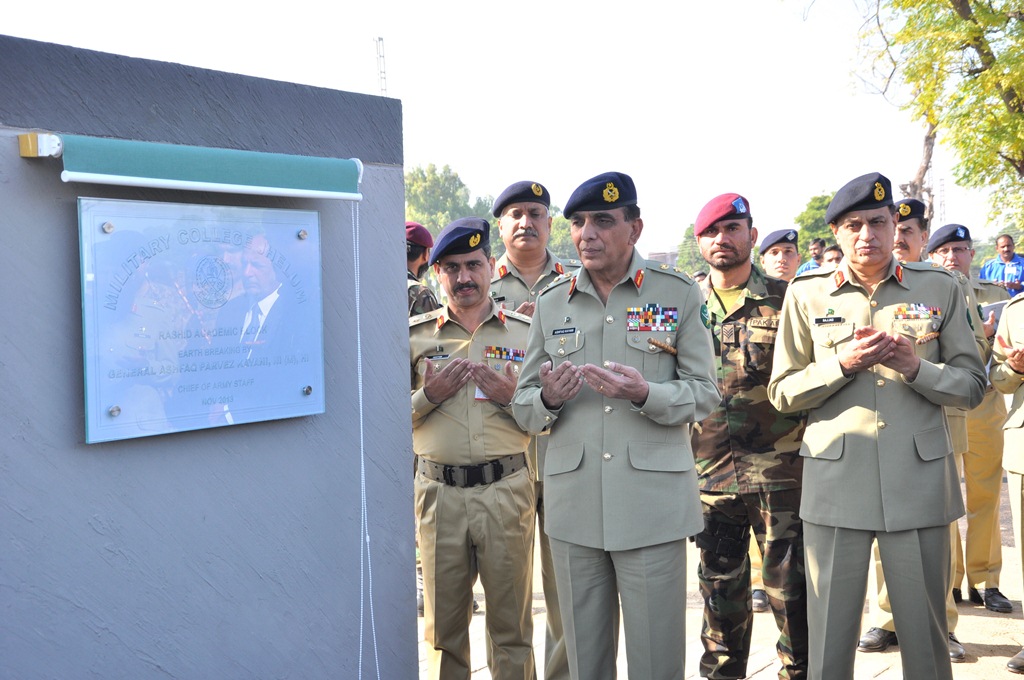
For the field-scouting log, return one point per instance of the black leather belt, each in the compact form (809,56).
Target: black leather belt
(472,475)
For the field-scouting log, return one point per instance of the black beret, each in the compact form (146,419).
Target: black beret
(522,192)
(873,190)
(461,236)
(607,190)
(908,209)
(950,232)
(778,236)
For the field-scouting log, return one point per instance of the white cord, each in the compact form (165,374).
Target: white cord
(365,563)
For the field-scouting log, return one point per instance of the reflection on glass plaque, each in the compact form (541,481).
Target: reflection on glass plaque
(198,316)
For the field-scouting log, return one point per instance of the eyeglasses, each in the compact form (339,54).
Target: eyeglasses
(955,250)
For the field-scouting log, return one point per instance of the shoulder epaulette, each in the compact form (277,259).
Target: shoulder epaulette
(426,316)
(662,268)
(1015,300)
(934,267)
(812,273)
(557,281)
(509,314)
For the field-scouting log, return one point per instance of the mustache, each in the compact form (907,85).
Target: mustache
(466,286)
(526,231)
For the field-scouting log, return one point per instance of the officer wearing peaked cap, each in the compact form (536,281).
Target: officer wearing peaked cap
(618,365)
(526,267)
(873,351)
(474,489)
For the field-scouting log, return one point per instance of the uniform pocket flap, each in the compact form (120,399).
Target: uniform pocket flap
(660,457)
(563,342)
(650,342)
(559,459)
(933,444)
(914,328)
(831,451)
(830,335)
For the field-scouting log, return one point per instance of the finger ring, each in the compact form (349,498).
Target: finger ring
(600,388)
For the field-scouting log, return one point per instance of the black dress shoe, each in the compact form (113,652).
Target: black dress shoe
(1016,664)
(993,600)
(956,650)
(957,596)
(877,640)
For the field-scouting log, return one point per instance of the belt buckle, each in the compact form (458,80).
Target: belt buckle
(448,475)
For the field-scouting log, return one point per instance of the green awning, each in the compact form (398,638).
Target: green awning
(197,168)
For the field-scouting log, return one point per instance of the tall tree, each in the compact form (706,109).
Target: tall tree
(958,65)
(689,258)
(436,197)
(812,222)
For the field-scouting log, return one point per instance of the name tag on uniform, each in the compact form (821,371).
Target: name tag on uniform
(563,331)
(824,320)
(763,322)
(438,357)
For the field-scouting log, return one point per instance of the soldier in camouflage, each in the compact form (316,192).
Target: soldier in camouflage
(418,243)
(747,456)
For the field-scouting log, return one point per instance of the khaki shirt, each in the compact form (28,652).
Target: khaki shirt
(877,450)
(1008,381)
(620,476)
(509,290)
(468,428)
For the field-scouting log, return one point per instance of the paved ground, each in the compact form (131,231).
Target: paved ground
(990,639)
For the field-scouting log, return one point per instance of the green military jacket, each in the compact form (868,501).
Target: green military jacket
(421,298)
(620,476)
(877,452)
(746,445)
(1008,381)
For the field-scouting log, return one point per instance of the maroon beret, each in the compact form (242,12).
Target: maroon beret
(719,208)
(416,233)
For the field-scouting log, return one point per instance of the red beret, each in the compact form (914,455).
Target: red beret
(719,208)
(418,234)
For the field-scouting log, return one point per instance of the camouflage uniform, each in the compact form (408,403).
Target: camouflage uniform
(421,298)
(749,469)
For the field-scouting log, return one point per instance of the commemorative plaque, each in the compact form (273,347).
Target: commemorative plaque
(198,316)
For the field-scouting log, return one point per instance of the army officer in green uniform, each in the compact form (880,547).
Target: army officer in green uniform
(619,363)
(874,350)
(473,489)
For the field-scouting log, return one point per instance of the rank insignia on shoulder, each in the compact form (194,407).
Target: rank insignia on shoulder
(501,316)
(502,271)
(559,269)
(639,278)
(440,321)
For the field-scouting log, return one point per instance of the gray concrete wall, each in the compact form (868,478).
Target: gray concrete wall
(224,553)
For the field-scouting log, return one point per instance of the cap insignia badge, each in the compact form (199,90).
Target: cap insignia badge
(879,191)
(537,189)
(904,209)
(610,193)
(474,240)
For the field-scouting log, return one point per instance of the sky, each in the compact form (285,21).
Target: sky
(758,97)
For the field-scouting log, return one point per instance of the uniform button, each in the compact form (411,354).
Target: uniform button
(476,437)
(607,456)
(874,303)
(880,382)
(609,319)
(561,352)
(828,343)
(532,293)
(547,419)
(881,426)
(607,409)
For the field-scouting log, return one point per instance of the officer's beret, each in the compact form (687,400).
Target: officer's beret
(522,192)
(950,232)
(417,234)
(606,191)
(873,190)
(719,208)
(461,236)
(778,236)
(908,209)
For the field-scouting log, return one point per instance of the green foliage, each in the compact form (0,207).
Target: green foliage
(959,64)
(560,242)
(689,259)
(812,223)
(436,197)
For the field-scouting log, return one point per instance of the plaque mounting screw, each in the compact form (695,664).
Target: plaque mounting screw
(303,234)
(307,390)
(108,227)
(115,411)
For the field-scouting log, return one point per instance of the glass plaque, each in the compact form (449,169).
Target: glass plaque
(198,316)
